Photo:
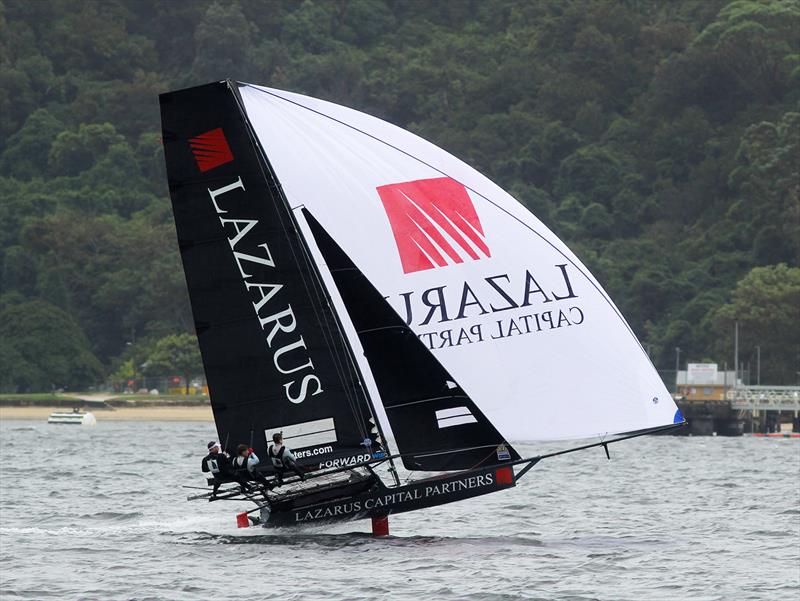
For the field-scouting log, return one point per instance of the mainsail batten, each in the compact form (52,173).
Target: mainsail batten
(542,360)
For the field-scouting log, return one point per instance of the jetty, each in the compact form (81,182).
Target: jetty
(767,409)
(718,403)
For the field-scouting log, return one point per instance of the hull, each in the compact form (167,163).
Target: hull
(377,500)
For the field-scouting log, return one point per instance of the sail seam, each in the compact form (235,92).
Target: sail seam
(436,398)
(451,451)
(370,330)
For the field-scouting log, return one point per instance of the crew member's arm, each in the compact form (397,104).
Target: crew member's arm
(252,461)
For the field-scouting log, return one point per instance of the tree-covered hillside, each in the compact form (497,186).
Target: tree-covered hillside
(660,140)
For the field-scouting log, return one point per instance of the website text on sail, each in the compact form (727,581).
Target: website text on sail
(348,277)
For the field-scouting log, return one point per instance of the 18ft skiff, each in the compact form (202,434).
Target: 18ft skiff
(348,278)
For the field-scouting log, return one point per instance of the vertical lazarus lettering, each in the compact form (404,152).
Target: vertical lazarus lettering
(255,263)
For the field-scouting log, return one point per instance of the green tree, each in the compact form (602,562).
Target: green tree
(222,42)
(43,348)
(18,271)
(73,152)
(177,353)
(594,172)
(596,221)
(754,41)
(767,180)
(746,55)
(766,304)
(25,155)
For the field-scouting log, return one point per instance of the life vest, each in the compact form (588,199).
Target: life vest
(212,465)
(249,462)
(276,456)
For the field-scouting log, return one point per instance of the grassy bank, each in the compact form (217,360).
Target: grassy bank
(163,413)
(101,401)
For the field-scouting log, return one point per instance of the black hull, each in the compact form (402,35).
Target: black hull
(379,500)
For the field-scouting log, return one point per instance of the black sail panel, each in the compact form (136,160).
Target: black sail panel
(435,423)
(267,337)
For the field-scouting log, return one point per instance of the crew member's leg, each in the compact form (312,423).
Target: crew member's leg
(296,469)
(241,478)
(254,476)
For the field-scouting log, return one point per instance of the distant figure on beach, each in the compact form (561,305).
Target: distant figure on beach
(245,464)
(283,459)
(218,464)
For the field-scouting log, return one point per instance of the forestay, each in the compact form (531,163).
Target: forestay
(506,308)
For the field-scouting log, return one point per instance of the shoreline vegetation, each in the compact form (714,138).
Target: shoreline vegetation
(107,407)
(657,140)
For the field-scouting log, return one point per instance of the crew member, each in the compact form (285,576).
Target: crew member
(245,464)
(217,463)
(282,459)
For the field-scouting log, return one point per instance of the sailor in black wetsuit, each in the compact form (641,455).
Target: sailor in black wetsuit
(217,463)
(282,459)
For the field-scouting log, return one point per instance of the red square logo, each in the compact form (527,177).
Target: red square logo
(211,149)
(434,223)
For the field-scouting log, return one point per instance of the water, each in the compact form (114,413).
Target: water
(100,514)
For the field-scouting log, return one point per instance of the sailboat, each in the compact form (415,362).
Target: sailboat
(350,280)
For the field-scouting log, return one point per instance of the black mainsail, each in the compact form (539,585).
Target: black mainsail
(273,356)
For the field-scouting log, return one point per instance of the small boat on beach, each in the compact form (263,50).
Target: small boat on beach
(74,417)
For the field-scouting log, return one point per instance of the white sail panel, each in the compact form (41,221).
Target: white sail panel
(501,302)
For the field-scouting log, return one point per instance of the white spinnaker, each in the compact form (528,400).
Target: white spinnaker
(586,377)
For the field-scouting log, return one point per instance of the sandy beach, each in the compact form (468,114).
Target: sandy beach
(166,414)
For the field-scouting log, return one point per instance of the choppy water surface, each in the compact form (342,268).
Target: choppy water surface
(100,514)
